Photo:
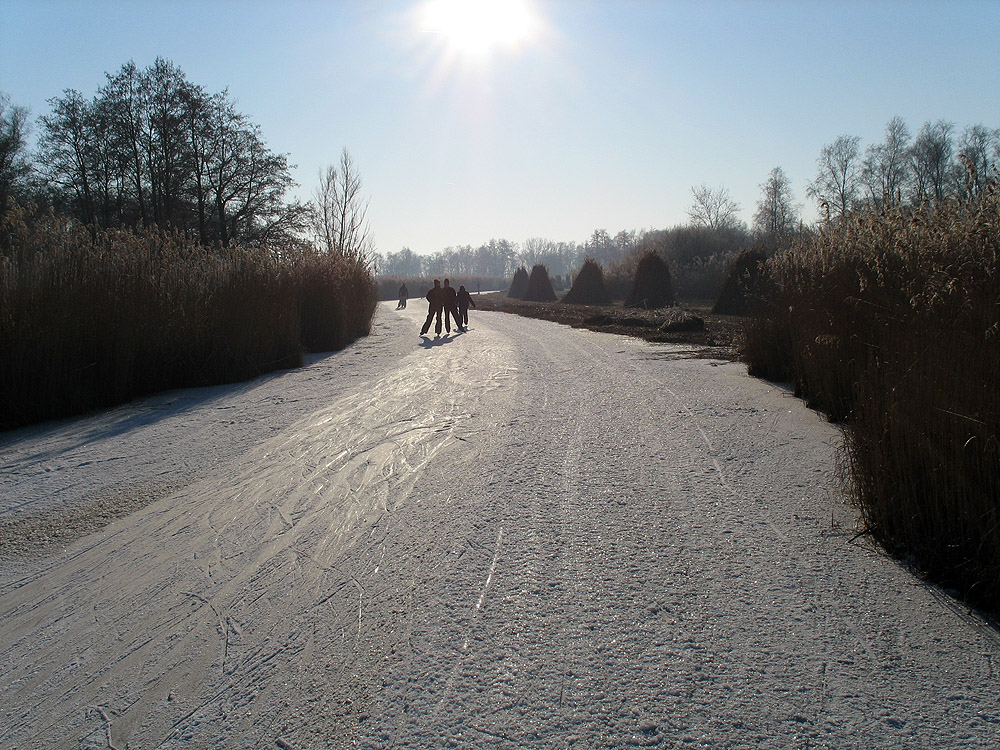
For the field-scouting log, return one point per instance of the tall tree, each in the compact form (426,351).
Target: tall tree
(625,240)
(153,148)
(931,159)
(67,152)
(776,215)
(198,129)
(496,258)
(714,208)
(124,113)
(535,250)
(340,212)
(402,263)
(885,170)
(15,166)
(246,181)
(602,248)
(978,150)
(837,184)
(164,143)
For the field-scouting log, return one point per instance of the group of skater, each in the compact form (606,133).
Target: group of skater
(444,302)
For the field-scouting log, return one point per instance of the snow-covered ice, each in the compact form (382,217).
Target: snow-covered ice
(523,536)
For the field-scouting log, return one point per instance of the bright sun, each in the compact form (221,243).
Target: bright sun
(480,27)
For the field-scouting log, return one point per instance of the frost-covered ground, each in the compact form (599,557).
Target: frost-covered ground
(523,536)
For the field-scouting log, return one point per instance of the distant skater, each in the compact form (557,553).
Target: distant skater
(464,300)
(404,294)
(435,299)
(451,307)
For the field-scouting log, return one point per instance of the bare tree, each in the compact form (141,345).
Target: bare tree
(837,182)
(558,257)
(153,148)
(404,263)
(776,214)
(978,150)
(245,181)
(339,219)
(602,248)
(625,240)
(714,208)
(125,113)
(885,169)
(67,153)
(931,158)
(143,166)
(497,257)
(535,250)
(15,167)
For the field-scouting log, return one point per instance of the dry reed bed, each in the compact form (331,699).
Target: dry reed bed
(90,319)
(891,322)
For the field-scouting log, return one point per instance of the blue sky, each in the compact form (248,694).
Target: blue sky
(604,119)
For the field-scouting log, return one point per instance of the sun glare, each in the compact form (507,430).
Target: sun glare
(480,27)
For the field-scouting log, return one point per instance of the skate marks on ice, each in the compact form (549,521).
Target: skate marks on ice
(670,564)
(533,537)
(255,605)
(63,479)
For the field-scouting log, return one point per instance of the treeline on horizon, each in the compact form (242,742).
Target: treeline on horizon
(700,258)
(146,244)
(937,164)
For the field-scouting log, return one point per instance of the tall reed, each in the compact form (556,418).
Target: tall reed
(92,318)
(891,322)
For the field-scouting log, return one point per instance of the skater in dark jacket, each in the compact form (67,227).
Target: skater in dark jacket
(435,299)
(464,300)
(404,294)
(451,307)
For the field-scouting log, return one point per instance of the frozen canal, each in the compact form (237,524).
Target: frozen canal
(522,536)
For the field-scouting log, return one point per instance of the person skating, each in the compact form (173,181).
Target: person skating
(451,307)
(464,300)
(435,299)
(404,294)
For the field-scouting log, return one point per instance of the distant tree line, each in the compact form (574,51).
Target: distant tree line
(935,165)
(715,232)
(503,257)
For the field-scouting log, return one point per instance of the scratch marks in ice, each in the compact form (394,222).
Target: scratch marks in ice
(493,568)
(724,479)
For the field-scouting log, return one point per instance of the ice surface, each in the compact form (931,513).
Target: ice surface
(523,536)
